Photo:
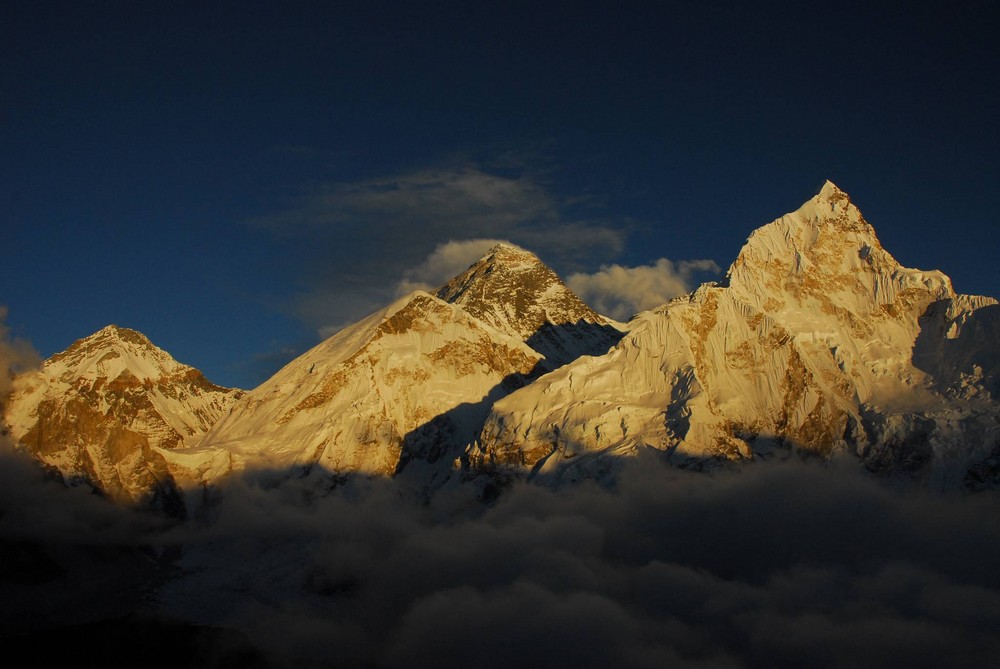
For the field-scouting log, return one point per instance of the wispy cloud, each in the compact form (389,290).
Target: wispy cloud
(621,292)
(438,198)
(362,242)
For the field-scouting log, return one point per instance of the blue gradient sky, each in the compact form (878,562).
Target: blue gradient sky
(233,180)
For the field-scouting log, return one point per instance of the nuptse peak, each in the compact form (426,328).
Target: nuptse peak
(817,339)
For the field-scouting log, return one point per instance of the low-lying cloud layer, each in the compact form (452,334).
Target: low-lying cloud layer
(773,565)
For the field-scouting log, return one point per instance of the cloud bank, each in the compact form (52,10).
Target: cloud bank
(775,565)
(621,292)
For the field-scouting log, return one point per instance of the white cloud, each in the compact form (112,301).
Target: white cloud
(621,292)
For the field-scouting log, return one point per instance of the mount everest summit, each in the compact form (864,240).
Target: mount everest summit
(817,340)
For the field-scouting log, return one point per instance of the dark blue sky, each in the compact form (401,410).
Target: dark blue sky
(234,179)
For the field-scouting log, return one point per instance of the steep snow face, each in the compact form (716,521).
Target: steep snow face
(99,411)
(697,378)
(515,292)
(819,339)
(822,273)
(413,381)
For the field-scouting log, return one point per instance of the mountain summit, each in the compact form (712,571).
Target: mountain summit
(409,386)
(515,292)
(826,258)
(818,340)
(104,409)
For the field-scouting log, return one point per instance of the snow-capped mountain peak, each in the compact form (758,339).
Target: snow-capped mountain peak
(110,352)
(514,291)
(409,386)
(826,257)
(829,192)
(818,339)
(99,410)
